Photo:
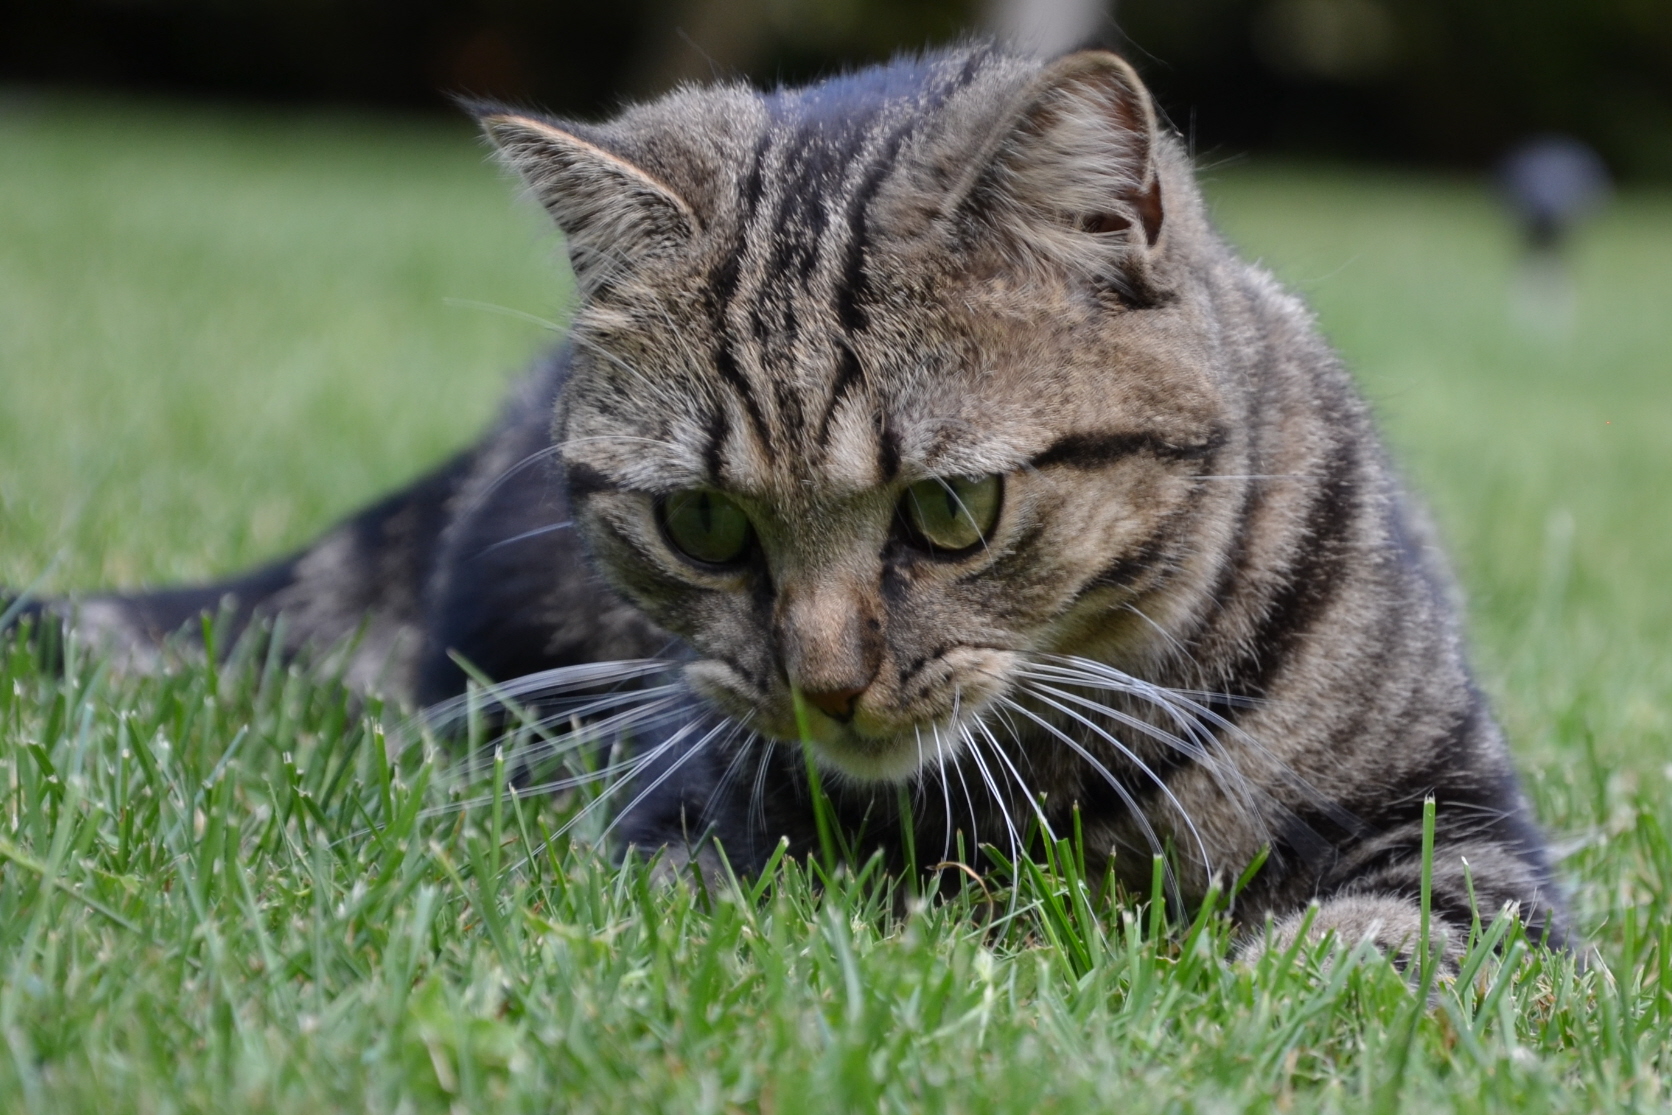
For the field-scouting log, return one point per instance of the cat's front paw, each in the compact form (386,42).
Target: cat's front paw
(1393,926)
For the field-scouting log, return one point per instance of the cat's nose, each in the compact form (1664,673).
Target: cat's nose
(835,703)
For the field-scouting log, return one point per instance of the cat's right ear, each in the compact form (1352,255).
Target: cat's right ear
(1073,174)
(612,212)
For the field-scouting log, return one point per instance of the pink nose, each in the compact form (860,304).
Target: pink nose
(835,703)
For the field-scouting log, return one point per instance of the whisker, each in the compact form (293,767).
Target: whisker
(525,535)
(1189,710)
(1021,783)
(1114,783)
(1100,675)
(919,791)
(505,477)
(757,796)
(1187,714)
(958,769)
(610,791)
(507,311)
(553,682)
(581,341)
(539,719)
(626,770)
(549,745)
(1201,746)
(724,785)
(1132,757)
(727,725)
(1171,639)
(1190,748)
(946,792)
(526,756)
(997,795)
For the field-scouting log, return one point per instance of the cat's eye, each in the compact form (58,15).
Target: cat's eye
(951,513)
(705,526)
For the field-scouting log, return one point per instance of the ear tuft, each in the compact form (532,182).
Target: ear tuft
(1073,173)
(612,212)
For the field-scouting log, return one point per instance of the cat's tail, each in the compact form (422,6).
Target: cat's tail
(136,627)
(357,587)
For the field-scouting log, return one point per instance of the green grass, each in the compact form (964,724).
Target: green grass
(219,330)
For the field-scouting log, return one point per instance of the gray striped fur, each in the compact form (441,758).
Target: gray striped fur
(963,265)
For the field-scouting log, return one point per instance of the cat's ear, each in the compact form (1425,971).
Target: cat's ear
(612,212)
(1073,169)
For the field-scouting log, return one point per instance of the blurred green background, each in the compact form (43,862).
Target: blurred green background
(1441,81)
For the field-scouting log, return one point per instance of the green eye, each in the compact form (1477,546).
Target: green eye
(705,525)
(952,512)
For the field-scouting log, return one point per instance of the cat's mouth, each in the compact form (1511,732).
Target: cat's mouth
(892,733)
(890,759)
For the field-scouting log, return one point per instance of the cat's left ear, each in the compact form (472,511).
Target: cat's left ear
(612,212)
(1073,170)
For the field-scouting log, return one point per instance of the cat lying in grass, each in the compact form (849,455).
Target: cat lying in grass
(919,416)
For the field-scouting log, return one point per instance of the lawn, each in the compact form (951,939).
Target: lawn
(220,329)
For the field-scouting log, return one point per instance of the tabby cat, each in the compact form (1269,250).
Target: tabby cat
(920,413)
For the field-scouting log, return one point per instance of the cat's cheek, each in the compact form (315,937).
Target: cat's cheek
(731,691)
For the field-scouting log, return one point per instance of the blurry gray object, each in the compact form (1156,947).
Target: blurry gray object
(1552,182)
(1047,28)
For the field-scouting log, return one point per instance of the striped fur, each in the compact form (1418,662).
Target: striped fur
(1207,616)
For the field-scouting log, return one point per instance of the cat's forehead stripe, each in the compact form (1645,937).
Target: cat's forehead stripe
(788,292)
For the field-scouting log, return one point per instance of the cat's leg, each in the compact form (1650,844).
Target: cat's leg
(1483,865)
(1389,923)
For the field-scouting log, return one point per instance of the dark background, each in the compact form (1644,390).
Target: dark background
(1440,82)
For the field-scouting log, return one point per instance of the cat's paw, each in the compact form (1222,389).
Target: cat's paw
(1391,925)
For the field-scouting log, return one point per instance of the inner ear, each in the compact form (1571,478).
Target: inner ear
(1079,151)
(611,211)
(1147,205)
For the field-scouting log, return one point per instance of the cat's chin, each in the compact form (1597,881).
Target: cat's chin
(873,746)
(865,760)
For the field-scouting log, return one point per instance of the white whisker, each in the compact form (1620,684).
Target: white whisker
(1114,783)
(624,771)
(515,538)
(946,793)
(608,792)
(505,477)
(507,311)
(647,717)
(723,786)
(1205,726)
(550,683)
(997,795)
(1021,783)
(958,769)
(727,725)
(1133,758)
(757,795)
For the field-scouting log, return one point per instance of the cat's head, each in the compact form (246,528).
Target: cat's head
(883,385)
